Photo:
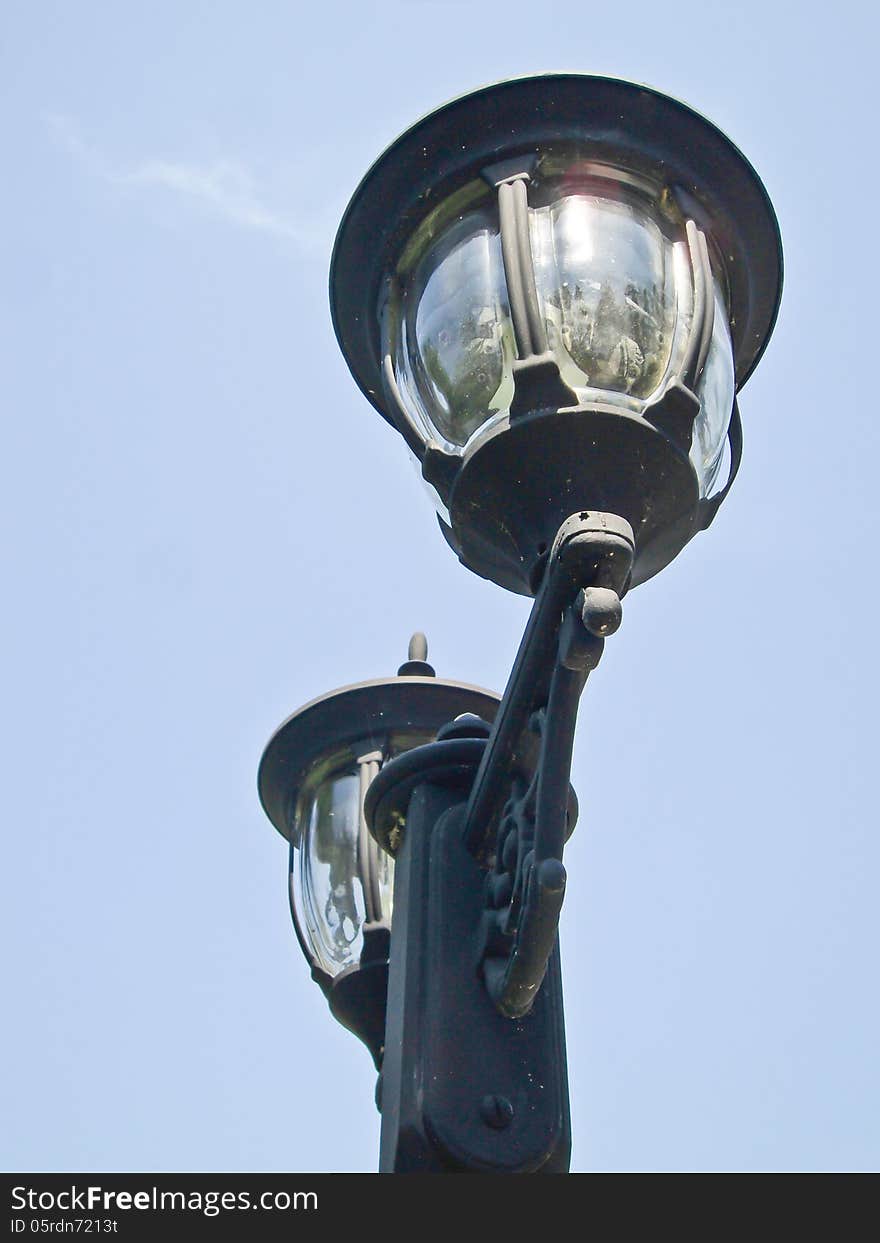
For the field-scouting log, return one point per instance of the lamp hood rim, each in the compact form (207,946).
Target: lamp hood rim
(361,711)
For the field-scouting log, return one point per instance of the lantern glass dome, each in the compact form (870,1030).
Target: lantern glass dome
(615,289)
(339,879)
(328,889)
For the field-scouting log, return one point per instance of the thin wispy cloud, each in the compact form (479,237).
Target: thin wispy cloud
(226,188)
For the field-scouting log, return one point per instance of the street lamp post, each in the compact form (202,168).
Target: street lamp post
(553,288)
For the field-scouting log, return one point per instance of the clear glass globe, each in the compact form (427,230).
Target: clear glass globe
(606,277)
(615,288)
(328,893)
(339,877)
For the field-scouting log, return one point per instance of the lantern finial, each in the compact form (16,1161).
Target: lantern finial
(416,665)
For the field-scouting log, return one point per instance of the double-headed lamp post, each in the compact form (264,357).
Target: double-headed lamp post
(553,288)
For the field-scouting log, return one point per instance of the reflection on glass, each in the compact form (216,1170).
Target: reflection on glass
(450,333)
(334,908)
(614,288)
(605,275)
(330,893)
(459,336)
(615,285)
(716,390)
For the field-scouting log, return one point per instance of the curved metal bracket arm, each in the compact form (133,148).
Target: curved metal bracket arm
(518,815)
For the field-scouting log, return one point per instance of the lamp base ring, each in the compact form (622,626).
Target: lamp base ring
(515,488)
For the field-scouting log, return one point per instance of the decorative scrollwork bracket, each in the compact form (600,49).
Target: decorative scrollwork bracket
(522,808)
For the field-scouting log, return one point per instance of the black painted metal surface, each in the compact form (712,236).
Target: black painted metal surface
(464,1089)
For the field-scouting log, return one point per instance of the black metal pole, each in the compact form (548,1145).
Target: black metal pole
(463,1088)
(474,1073)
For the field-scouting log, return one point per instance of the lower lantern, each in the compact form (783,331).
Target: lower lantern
(313,778)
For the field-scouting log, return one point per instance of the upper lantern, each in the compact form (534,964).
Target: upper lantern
(553,288)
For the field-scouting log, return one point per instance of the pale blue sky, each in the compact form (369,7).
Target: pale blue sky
(206,525)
